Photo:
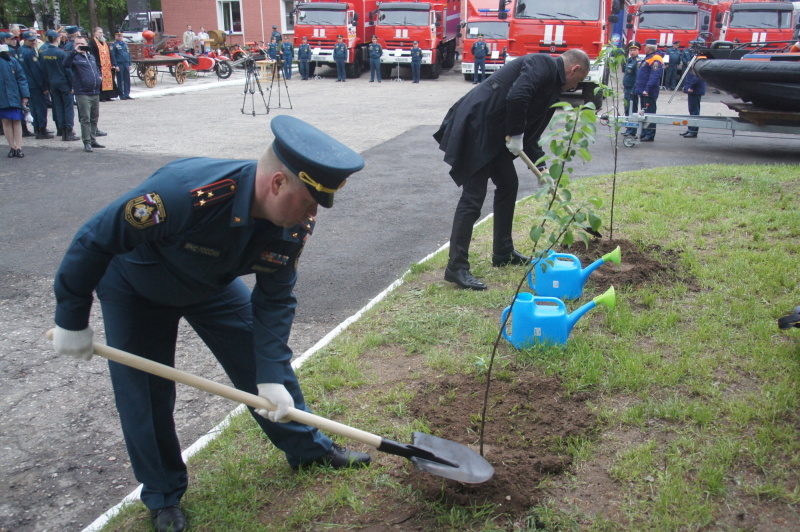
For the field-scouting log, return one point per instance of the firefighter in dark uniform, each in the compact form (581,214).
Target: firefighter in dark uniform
(174,247)
(375,53)
(671,70)
(303,58)
(274,53)
(122,58)
(514,103)
(416,62)
(276,35)
(695,88)
(28,57)
(339,57)
(479,50)
(287,54)
(59,81)
(629,82)
(648,79)
(72,33)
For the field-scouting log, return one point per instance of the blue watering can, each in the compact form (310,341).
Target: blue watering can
(565,278)
(538,319)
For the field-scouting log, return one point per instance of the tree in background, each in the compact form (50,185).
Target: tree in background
(51,14)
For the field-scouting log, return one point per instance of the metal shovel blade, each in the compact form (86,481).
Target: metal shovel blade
(466,465)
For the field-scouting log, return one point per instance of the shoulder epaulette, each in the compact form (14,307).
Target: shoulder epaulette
(213,193)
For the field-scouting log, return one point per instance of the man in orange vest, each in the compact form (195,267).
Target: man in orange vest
(648,81)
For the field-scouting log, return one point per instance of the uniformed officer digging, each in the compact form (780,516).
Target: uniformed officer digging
(173,248)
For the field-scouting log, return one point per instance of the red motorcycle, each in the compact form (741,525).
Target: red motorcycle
(212,62)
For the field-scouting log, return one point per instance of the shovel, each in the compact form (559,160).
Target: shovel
(428,453)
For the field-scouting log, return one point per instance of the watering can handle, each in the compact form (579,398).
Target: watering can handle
(503,321)
(538,300)
(573,258)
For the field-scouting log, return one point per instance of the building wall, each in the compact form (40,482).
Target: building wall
(258,17)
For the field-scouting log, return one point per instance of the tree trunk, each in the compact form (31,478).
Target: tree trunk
(92,5)
(56,14)
(37,13)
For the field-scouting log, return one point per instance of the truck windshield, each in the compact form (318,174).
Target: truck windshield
(403,18)
(490,30)
(134,23)
(321,18)
(664,20)
(548,9)
(761,19)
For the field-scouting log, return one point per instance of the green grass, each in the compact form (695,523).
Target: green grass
(695,389)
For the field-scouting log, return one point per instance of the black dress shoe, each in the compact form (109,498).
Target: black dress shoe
(515,257)
(26,133)
(647,139)
(690,136)
(464,279)
(339,457)
(87,147)
(96,144)
(12,153)
(20,155)
(168,519)
(99,133)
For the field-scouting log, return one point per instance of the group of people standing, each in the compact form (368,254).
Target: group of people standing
(69,69)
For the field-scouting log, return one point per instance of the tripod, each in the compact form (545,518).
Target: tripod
(251,82)
(276,73)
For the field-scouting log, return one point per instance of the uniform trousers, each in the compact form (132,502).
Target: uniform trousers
(416,68)
(145,402)
(694,108)
(375,69)
(341,72)
(504,176)
(124,80)
(287,69)
(38,106)
(671,76)
(303,67)
(631,107)
(63,110)
(648,105)
(480,64)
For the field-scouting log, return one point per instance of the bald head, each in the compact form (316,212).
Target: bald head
(576,67)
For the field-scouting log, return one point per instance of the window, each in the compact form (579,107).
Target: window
(231,16)
(288,15)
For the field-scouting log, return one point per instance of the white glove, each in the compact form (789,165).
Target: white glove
(514,144)
(74,343)
(278,395)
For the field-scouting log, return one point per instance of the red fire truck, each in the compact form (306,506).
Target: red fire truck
(545,26)
(666,21)
(434,25)
(321,22)
(755,21)
(483,18)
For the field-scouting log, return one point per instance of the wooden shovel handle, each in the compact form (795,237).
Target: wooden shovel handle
(228,392)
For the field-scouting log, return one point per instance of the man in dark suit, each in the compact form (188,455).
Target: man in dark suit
(514,102)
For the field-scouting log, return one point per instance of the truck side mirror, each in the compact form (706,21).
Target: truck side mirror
(521,7)
(719,18)
(630,18)
(718,24)
(438,24)
(629,25)
(704,27)
(613,19)
(355,17)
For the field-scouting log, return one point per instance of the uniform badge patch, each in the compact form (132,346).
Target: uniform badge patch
(145,211)
(274,258)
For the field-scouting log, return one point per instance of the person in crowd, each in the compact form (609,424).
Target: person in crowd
(12,41)
(121,57)
(416,62)
(479,51)
(105,62)
(339,57)
(276,34)
(304,58)
(174,247)
(28,56)
(375,53)
(63,38)
(274,53)
(484,132)
(58,80)
(202,37)
(648,79)
(287,54)
(695,88)
(673,62)
(629,82)
(15,40)
(72,33)
(188,40)
(13,99)
(86,84)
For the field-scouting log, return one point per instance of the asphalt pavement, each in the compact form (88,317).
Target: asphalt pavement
(62,453)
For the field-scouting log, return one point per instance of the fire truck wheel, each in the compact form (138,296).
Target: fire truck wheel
(353,70)
(449,60)
(312,67)
(386,71)
(468,77)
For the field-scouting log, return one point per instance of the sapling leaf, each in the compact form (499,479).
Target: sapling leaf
(594,200)
(568,239)
(595,221)
(585,237)
(536,233)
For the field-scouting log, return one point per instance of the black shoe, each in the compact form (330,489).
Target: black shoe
(169,519)
(12,153)
(43,134)
(339,457)
(464,279)
(96,144)
(684,133)
(515,257)
(69,136)
(26,133)
(87,147)
(690,136)
(372,81)
(647,139)
(20,155)
(99,133)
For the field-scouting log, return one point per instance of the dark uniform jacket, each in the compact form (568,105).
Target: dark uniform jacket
(515,99)
(86,77)
(630,68)
(416,55)
(340,51)
(480,50)
(287,51)
(181,236)
(697,85)
(674,57)
(375,51)
(120,54)
(29,59)
(304,52)
(13,85)
(272,50)
(648,77)
(51,59)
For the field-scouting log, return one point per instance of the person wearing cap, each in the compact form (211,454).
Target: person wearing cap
(173,247)
(375,53)
(629,82)
(695,89)
(484,132)
(14,40)
(648,82)
(28,56)
(59,82)
(276,34)
(13,99)
(339,57)
(673,57)
(303,58)
(63,38)
(416,62)
(86,84)
(287,54)
(72,33)
(121,57)
(479,51)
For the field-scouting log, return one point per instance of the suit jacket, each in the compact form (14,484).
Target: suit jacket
(515,99)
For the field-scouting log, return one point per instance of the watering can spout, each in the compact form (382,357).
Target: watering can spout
(614,256)
(608,299)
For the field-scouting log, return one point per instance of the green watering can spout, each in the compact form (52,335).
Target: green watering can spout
(608,298)
(614,256)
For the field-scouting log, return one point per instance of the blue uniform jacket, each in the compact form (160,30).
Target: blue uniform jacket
(375,51)
(29,60)
(674,57)
(630,68)
(304,52)
(86,76)
(648,78)
(480,50)
(416,55)
(697,85)
(51,59)
(179,237)
(120,53)
(278,36)
(288,51)
(272,50)
(340,51)
(14,84)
